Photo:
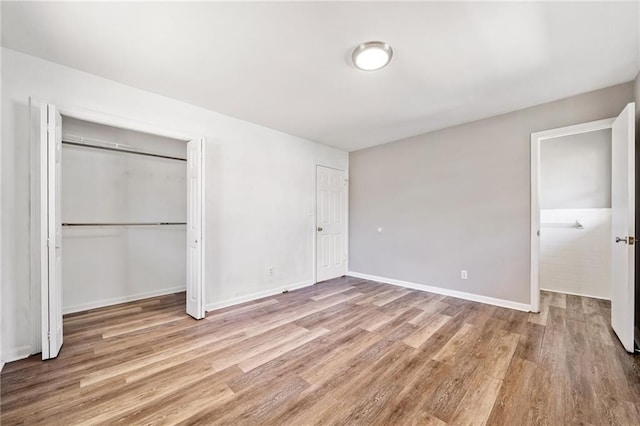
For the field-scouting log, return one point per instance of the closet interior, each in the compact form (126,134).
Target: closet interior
(124,213)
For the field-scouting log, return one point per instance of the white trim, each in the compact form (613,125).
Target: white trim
(446,292)
(534,237)
(203,225)
(35,261)
(121,122)
(44,229)
(576,129)
(575,294)
(314,264)
(254,296)
(121,299)
(15,354)
(346,218)
(1,366)
(536,138)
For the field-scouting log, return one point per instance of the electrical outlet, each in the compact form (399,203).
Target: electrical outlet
(270,270)
(463,274)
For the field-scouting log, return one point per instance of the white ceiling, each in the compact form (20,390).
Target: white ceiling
(286,65)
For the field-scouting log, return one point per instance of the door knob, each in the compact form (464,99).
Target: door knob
(618,239)
(319,228)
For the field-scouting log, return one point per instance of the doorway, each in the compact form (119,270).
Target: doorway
(583,215)
(331,223)
(126,218)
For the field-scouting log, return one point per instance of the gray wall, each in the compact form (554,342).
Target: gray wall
(459,198)
(575,171)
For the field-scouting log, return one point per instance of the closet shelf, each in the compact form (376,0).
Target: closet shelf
(124,224)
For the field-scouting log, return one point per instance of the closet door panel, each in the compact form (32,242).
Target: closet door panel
(195,231)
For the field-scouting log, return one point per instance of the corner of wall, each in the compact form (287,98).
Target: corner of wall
(254,296)
(16,354)
(445,292)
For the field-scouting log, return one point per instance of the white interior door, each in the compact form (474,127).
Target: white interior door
(623,226)
(331,223)
(51,230)
(195,229)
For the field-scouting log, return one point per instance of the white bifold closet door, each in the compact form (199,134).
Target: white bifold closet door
(195,229)
(51,230)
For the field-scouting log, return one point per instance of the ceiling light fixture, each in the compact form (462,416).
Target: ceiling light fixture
(372,55)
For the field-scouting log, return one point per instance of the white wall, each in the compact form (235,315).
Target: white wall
(103,266)
(575,171)
(259,196)
(107,265)
(576,261)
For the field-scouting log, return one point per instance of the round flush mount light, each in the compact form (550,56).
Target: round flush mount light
(372,55)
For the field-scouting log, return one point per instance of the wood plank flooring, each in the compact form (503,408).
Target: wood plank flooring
(346,351)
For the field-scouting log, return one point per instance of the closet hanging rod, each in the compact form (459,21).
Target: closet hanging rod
(575,224)
(124,224)
(126,151)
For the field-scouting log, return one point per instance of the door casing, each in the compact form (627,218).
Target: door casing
(536,139)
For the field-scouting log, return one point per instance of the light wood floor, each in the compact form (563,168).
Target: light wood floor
(347,351)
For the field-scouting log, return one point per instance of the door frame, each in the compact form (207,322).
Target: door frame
(107,119)
(315,217)
(536,139)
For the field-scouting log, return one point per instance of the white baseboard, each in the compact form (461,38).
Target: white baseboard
(122,299)
(254,296)
(575,294)
(15,354)
(446,292)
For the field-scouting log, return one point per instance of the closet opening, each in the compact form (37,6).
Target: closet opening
(121,221)
(583,222)
(123,199)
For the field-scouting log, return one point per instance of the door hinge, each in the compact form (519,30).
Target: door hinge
(48,335)
(632,240)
